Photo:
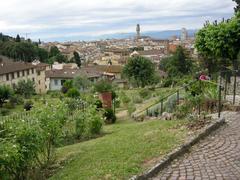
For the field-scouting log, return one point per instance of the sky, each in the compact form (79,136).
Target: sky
(51,20)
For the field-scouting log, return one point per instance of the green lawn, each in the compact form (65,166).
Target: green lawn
(128,148)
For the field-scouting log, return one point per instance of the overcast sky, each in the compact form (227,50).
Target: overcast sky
(54,19)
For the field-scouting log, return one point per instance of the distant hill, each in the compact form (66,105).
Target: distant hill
(154,34)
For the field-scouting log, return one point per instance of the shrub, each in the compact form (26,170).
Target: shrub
(80,125)
(25,88)
(73,93)
(25,148)
(16,100)
(54,94)
(73,104)
(167,82)
(5,93)
(9,105)
(131,108)
(117,103)
(124,98)
(88,122)
(28,105)
(98,104)
(137,99)
(4,111)
(145,93)
(182,110)
(67,85)
(103,86)
(110,116)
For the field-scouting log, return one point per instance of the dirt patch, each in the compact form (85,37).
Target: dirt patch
(198,124)
(151,162)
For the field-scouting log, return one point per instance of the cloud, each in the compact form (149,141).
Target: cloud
(56,18)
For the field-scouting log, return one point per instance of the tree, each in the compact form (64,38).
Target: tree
(42,54)
(54,51)
(25,88)
(81,82)
(178,64)
(103,86)
(237,8)
(220,41)
(60,58)
(18,39)
(77,58)
(5,93)
(139,70)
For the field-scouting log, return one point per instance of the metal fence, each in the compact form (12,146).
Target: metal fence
(169,102)
(228,84)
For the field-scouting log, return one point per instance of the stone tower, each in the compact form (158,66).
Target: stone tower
(138,31)
(184,34)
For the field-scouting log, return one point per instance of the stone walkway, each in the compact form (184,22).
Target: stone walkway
(215,157)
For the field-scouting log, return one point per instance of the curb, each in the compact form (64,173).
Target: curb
(180,150)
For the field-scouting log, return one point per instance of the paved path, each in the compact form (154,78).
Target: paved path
(216,157)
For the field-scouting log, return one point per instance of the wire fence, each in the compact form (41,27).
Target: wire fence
(27,115)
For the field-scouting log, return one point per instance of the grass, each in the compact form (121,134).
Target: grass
(128,148)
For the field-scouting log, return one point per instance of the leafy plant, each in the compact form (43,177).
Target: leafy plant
(73,93)
(5,93)
(103,86)
(109,116)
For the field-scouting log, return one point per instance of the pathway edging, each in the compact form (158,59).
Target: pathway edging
(180,150)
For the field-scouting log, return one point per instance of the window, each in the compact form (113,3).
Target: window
(56,82)
(12,75)
(28,72)
(23,73)
(32,71)
(39,82)
(39,73)
(7,77)
(18,74)
(33,79)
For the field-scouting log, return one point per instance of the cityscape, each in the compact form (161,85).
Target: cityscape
(119,90)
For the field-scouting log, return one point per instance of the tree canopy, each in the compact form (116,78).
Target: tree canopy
(220,41)
(178,64)
(140,71)
(237,8)
(77,58)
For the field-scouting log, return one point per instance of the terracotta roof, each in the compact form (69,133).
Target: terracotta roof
(41,66)
(105,68)
(69,73)
(7,65)
(150,52)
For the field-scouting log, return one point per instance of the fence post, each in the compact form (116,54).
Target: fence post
(219,96)
(234,87)
(225,88)
(199,100)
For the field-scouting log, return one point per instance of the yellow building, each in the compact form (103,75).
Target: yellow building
(12,72)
